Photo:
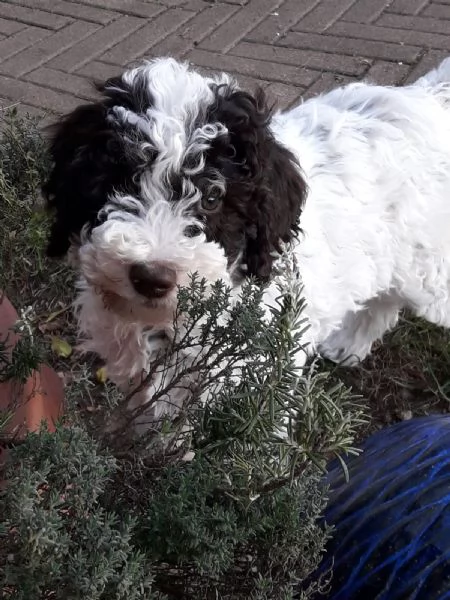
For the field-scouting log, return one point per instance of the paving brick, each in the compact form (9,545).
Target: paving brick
(198,5)
(303,58)
(24,110)
(99,71)
(407,22)
(64,82)
(70,9)
(387,73)
(280,20)
(9,27)
(23,39)
(407,7)
(325,83)
(32,16)
(138,44)
(196,29)
(283,95)
(41,52)
(391,34)
(37,96)
(247,66)
(245,82)
(438,11)
(365,11)
(138,8)
(54,48)
(343,44)
(96,44)
(429,61)
(228,34)
(325,14)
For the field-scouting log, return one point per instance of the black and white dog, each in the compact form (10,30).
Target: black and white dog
(171,172)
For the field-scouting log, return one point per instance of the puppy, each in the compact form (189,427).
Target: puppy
(171,172)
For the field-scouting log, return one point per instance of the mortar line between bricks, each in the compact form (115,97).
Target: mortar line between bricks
(314,70)
(200,39)
(206,34)
(401,28)
(342,50)
(78,17)
(29,21)
(57,90)
(293,23)
(302,16)
(365,39)
(157,42)
(123,11)
(250,28)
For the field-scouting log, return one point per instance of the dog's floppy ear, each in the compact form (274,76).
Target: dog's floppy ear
(269,175)
(275,205)
(88,163)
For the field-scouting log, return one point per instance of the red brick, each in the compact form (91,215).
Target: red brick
(248,82)
(190,34)
(345,45)
(96,44)
(138,44)
(301,58)
(23,39)
(324,15)
(326,83)
(438,11)
(228,34)
(37,96)
(71,9)
(279,21)
(428,62)
(99,71)
(32,16)
(407,22)
(387,73)
(407,7)
(247,66)
(64,82)
(24,110)
(390,34)
(283,95)
(365,11)
(138,8)
(41,52)
(9,27)
(196,5)
(173,3)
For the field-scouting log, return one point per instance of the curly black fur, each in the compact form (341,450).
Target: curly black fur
(265,191)
(91,159)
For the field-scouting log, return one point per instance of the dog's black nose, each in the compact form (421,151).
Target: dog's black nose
(154,280)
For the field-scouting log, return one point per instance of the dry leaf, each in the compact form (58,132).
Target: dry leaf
(101,375)
(61,347)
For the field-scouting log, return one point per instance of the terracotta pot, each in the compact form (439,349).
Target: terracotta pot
(39,399)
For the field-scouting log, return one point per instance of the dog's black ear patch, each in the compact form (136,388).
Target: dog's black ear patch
(89,162)
(91,159)
(265,187)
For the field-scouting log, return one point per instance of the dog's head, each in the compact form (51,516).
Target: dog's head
(170,172)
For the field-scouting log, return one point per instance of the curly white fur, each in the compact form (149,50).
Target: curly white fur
(375,225)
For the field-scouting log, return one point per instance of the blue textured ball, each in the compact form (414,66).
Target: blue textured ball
(392,519)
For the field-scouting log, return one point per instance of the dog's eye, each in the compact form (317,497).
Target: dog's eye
(212,202)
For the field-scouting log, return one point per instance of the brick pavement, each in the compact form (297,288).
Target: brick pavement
(51,49)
